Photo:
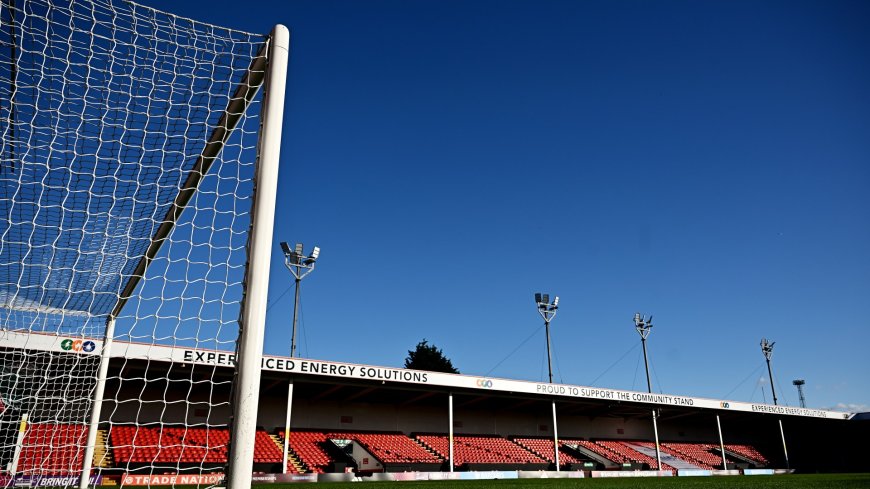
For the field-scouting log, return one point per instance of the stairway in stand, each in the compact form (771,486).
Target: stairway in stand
(293,463)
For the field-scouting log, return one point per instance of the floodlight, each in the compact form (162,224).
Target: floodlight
(300,266)
(548,312)
(799,383)
(643,326)
(767,351)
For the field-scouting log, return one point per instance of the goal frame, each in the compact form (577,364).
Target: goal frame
(268,70)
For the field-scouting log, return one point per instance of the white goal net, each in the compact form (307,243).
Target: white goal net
(130,152)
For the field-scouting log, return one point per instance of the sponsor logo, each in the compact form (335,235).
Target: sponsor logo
(86,346)
(724,405)
(49,481)
(171,479)
(485,383)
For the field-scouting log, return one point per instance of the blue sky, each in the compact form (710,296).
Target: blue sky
(705,162)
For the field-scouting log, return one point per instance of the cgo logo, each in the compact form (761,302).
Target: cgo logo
(485,383)
(86,346)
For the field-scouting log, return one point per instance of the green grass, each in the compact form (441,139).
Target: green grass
(808,481)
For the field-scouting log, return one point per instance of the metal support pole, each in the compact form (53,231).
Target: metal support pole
(549,364)
(450,430)
(654,416)
(721,443)
(767,350)
(646,365)
(547,311)
(253,315)
(656,432)
(96,409)
(287,425)
(555,436)
(295,316)
(784,448)
(772,388)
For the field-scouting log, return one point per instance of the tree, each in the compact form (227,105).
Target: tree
(429,357)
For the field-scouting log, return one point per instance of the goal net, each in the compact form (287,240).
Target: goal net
(130,152)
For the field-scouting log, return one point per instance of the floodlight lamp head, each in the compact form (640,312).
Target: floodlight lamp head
(767,348)
(556,302)
(299,249)
(285,248)
(638,319)
(537,297)
(315,253)
(546,299)
(798,382)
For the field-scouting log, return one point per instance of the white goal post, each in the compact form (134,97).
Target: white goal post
(250,346)
(138,178)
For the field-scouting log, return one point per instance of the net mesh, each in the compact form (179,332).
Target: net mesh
(105,110)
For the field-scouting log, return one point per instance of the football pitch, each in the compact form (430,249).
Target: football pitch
(802,481)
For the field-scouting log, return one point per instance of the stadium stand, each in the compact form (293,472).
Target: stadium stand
(749,452)
(145,445)
(633,455)
(603,451)
(704,455)
(266,450)
(621,453)
(308,447)
(668,457)
(395,448)
(55,449)
(472,451)
(543,447)
(52,449)
(313,450)
(181,445)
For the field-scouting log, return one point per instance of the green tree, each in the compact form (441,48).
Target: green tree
(429,357)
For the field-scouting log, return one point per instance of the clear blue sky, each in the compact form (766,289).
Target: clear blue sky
(705,162)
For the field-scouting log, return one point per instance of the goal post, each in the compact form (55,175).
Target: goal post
(138,175)
(253,320)
(252,324)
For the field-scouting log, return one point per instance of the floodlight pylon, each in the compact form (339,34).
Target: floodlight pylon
(643,325)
